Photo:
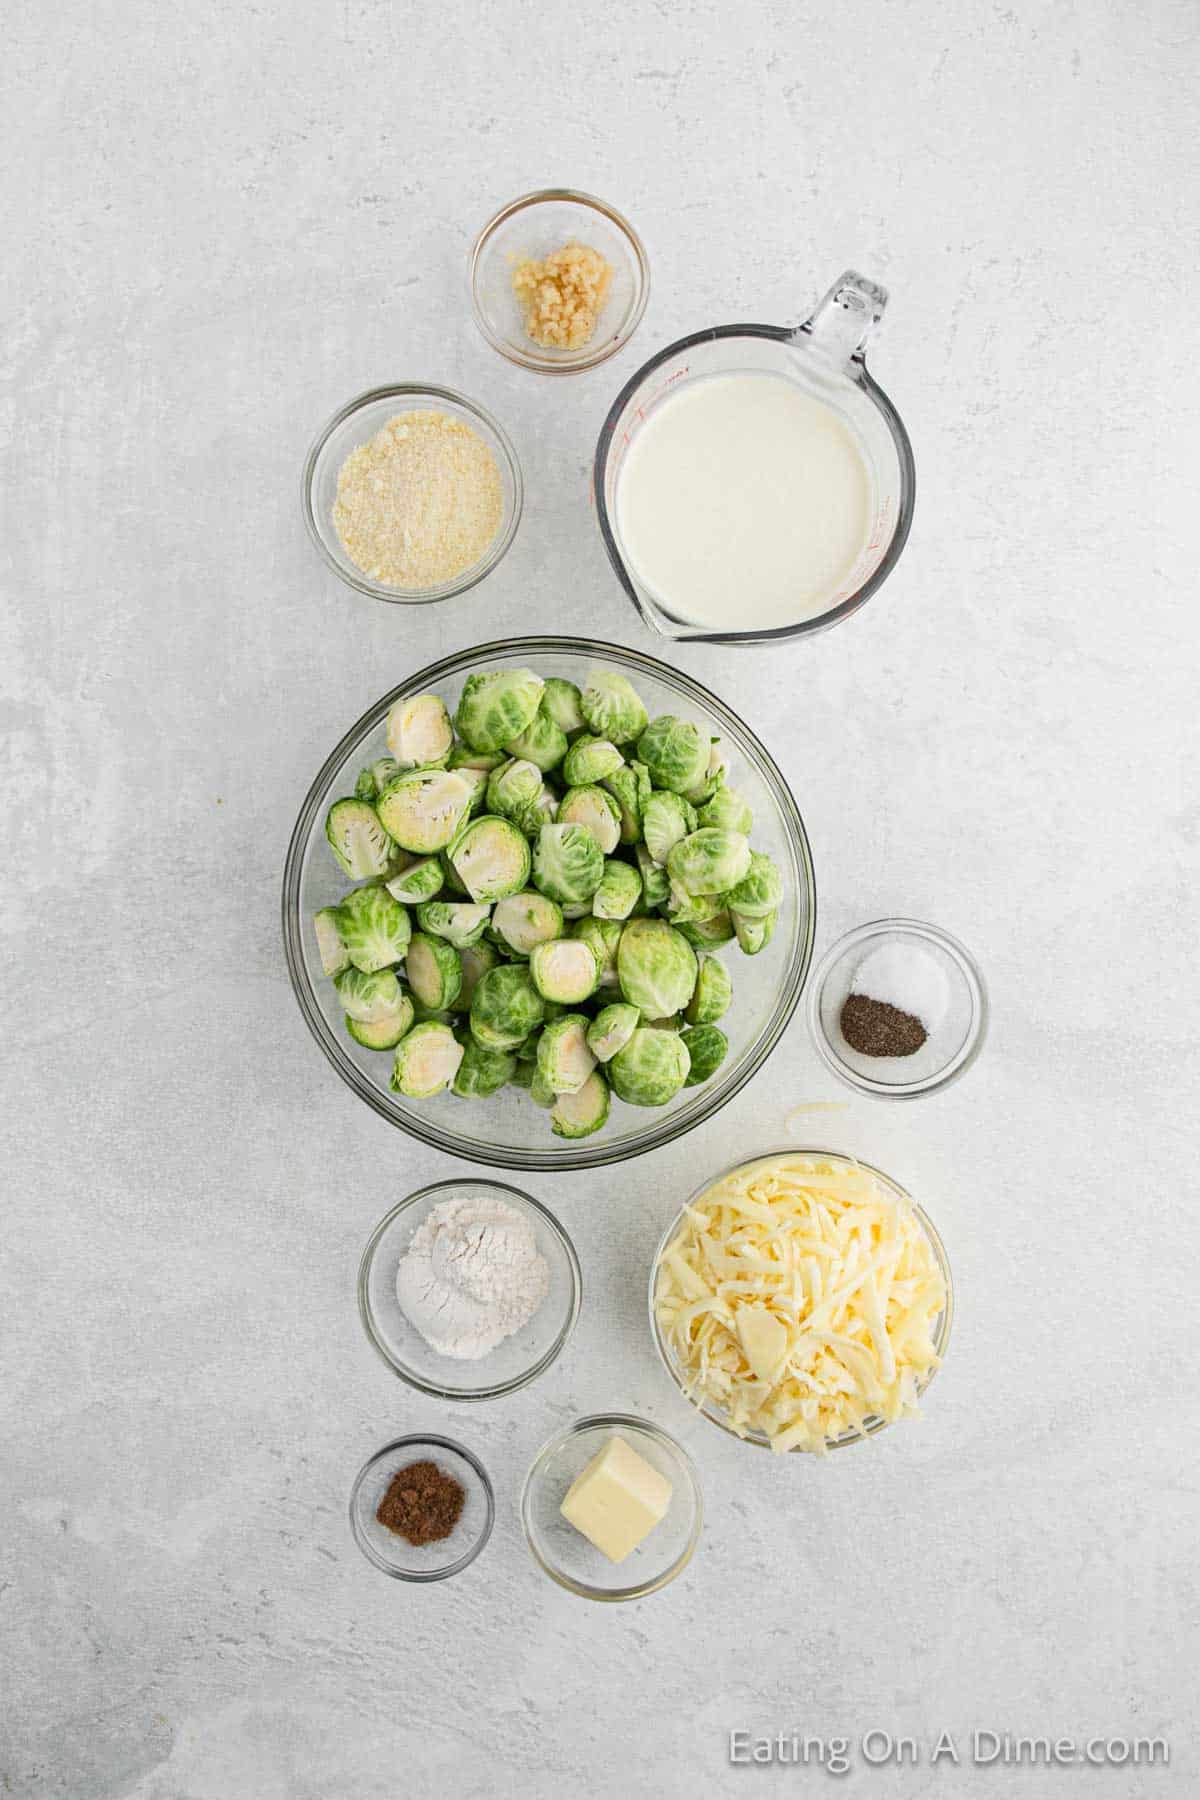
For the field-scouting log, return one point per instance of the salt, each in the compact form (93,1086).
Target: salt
(906,977)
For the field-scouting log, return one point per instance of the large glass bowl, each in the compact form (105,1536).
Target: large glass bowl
(508,1130)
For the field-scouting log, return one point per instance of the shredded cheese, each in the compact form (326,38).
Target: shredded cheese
(801,1298)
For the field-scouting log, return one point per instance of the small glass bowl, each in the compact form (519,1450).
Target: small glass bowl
(573,1560)
(953,1042)
(533,226)
(422,1562)
(355,424)
(514,1362)
(941,1328)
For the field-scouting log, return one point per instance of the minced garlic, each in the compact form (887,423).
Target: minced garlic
(419,502)
(563,295)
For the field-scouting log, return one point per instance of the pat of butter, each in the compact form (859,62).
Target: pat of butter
(764,1340)
(617,1500)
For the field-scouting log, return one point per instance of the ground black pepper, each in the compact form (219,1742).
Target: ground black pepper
(421,1504)
(874,1028)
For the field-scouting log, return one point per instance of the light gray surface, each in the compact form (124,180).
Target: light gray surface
(218,224)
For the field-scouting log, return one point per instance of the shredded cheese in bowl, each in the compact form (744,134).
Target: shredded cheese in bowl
(802,1300)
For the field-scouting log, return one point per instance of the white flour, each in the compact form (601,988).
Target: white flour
(471,1276)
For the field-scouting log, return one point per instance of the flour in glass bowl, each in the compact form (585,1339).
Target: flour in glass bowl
(472,1276)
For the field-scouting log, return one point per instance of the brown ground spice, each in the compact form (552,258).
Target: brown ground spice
(874,1028)
(421,1504)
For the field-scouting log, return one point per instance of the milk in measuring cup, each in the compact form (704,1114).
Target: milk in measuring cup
(744,503)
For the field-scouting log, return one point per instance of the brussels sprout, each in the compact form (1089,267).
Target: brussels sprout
(542,742)
(419,732)
(506,1007)
(676,753)
(589,760)
(592,807)
(491,858)
(382,1034)
(463,757)
(359,839)
(611,1030)
(368,999)
(374,778)
(524,1073)
(434,972)
(434,1015)
(460,922)
(495,708)
(656,967)
(753,934)
(656,883)
(577,1115)
(707,934)
(423,808)
(564,970)
(578,909)
(706,1047)
(665,823)
(567,864)
(560,702)
(630,788)
(476,960)
(421,880)
(374,928)
(482,1072)
(758,892)
(513,789)
(710,861)
(525,920)
(728,811)
(539,1090)
(612,707)
(651,1068)
(426,1061)
(477,781)
(713,778)
(619,891)
(691,909)
(603,935)
(330,948)
(451,878)
(564,1060)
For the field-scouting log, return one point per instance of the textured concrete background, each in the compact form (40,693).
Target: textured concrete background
(219,223)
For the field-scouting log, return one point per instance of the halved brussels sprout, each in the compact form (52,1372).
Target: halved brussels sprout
(482,1072)
(564,970)
(577,1115)
(707,934)
(491,858)
(592,807)
(434,972)
(513,789)
(589,760)
(382,1034)
(368,999)
(676,753)
(451,879)
(612,707)
(706,1046)
(421,880)
(651,1068)
(542,742)
(760,890)
(709,861)
(619,891)
(374,778)
(630,788)
(611,1029)
(656,883)
(477,781)
(656,967)
(506,1007)
(713,993)
(419,732)
(374,928)
(540,1092)
(426,1061)
(495,708)
(560,702)
(666,821)
(527,919)
(568,863)
(692,909)
(460,922)
(713,778)
(359,839)
(603,935)
(564,1060)
(753,934)
(423,808)
(729,811)
(333,953)
(476,960)
(463,757)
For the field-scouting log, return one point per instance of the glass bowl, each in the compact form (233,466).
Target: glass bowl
(514,1362)
(573,1560)
(355,424)
(953,1043)
(393,1554)
(942,1325)
(533,226)
(508,1130)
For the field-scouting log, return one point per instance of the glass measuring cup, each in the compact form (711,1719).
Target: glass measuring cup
(825,357)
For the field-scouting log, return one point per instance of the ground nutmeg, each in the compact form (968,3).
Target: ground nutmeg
(421,1504)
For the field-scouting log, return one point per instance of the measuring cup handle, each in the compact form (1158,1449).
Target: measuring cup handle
(845,318)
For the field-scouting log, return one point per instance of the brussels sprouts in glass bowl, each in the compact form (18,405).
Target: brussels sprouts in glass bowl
(596,864)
